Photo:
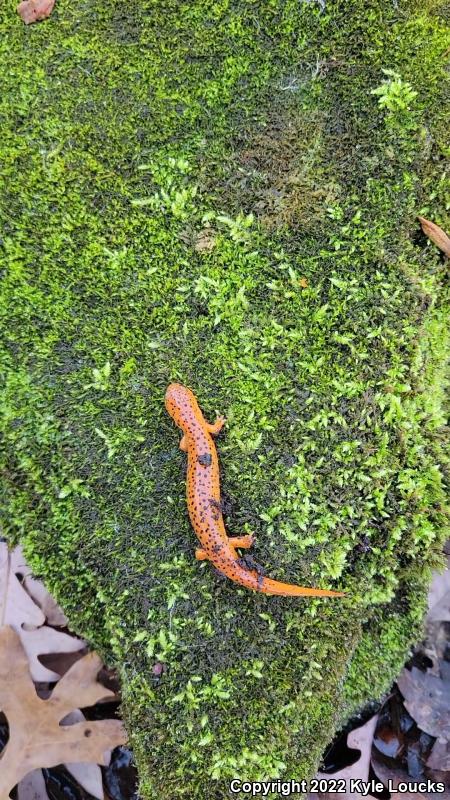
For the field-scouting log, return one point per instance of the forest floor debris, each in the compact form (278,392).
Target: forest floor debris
(408,740)
(47,676)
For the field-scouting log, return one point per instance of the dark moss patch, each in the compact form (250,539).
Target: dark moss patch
(315,321)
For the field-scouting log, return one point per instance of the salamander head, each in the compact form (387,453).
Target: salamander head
(178,398)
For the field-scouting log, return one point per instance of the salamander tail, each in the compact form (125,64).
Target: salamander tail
(251,579)
(268,586)
(236,569)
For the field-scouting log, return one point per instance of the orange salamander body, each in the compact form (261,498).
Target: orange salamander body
(203,499)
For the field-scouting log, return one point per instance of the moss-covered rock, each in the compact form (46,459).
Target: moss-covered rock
(213,193)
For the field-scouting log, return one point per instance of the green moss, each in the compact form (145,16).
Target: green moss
(211,193)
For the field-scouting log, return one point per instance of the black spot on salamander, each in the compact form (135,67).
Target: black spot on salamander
(216,508)
(217,548)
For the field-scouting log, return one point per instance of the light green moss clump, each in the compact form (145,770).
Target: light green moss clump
(225,194)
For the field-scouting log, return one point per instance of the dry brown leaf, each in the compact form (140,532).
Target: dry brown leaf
(37,739)
(359,739)
(61,662)
(16,606)
(37,591)
(61,651)
(21,612)
(32,787)
(205,241)
(427,699)
(398,776)
(46,640)
(436,234)
(439,757)
(88,776)
(303,282)
(439,596)
(35,10)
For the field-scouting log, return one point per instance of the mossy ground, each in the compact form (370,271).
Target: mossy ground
(137,140)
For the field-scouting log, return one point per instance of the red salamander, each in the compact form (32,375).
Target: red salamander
(203,499)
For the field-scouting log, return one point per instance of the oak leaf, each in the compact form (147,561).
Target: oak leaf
(38,735)
(427,700)
(46,641)
(21,612)
(436,234)
(16,606)
(88,776)
(37,591)
(359,739)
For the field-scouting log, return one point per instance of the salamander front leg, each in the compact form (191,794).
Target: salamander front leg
(183,443)
(217,426)
(201,554)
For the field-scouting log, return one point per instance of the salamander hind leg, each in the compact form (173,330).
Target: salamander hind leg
(183,443)
(242,541)
(201,554)
(216,426)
